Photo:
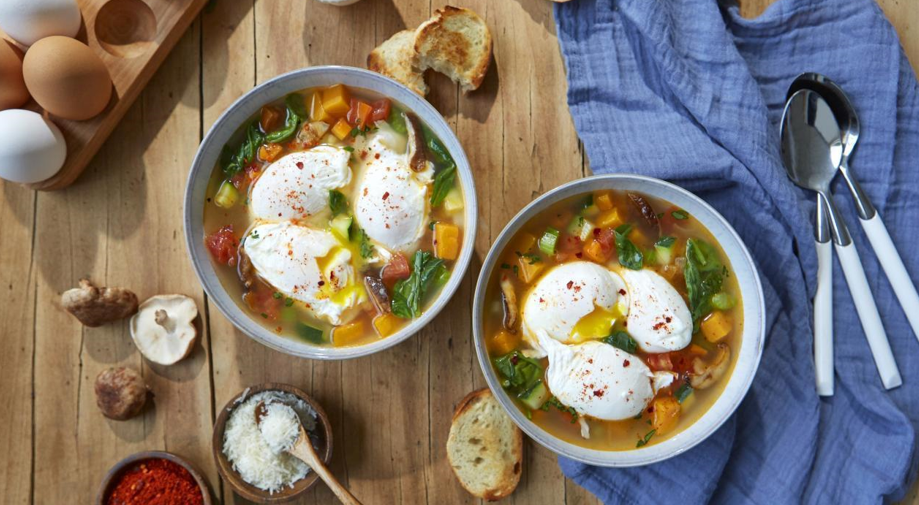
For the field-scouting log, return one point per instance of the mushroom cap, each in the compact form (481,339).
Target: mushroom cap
(163,328)
(120,393)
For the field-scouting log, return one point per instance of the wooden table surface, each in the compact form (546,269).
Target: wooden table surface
(121,225)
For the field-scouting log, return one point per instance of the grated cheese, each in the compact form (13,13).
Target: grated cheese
(280,427)
(251,456)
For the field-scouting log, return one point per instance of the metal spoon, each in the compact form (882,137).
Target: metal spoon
(812,149)
(871,222)
(303,450)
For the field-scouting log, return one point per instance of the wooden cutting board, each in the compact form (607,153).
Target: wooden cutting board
(132,37)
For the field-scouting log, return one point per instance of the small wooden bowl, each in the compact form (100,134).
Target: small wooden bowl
(324,450)
(122,465)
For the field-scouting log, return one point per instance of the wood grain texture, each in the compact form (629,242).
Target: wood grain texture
(120,224)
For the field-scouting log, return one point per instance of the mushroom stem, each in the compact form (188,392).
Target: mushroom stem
(161,317)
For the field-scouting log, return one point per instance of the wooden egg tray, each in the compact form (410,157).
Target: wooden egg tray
(132,37)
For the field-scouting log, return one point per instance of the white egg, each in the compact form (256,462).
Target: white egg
(297,185)
(28,21)
(599,380)
(659,319)
(306,265)
(392,199)
(568,294)
(33,148)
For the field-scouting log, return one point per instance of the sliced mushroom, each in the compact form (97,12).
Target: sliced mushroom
(245,270)
(310,134)
(509,297)
(645,208)
(94,306)
(704,374)
(163,328)
(415,152)
(378,293)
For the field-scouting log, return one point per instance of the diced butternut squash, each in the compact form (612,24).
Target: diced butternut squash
(386,324)
(446,241)
(317,111)
(528,271)
(603,201)
(697,350)
(665,415)
(716,326)
(594,252)
(270,152)
(341,129)
(524,242)
(502,343)
(609,219)
(270,119)
(336,100)
(348,334)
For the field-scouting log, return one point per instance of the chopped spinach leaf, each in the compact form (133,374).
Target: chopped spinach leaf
(629,255)
(679,214)
(366,246)
(622,340)
(665,241)
(683,392)
(443,182)
(337,202)
(704,274)
(408,294)
(644,441)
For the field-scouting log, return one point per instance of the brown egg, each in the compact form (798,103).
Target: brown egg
(67,78)
(13,92)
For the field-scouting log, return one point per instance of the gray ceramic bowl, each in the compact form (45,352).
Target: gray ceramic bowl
(242,110)
(753,329)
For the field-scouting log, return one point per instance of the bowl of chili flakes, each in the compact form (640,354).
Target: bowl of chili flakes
(146,477)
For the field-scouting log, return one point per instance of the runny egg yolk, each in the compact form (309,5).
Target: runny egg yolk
(594,325)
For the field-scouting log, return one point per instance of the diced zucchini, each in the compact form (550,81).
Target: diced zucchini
(723,301)
(548,241)
(663,250)
(454,200)
(341,225)
(227,195)
(580,227)
(536,396)
(308,333)
(590,211)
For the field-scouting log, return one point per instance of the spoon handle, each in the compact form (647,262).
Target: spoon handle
(868,314)
(893,266)
(823,320)
(303,450)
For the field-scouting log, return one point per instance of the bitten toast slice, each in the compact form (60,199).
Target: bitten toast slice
(395,58)
(457,43)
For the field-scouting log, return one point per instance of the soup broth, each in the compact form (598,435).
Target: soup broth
(334,217)
(671,305)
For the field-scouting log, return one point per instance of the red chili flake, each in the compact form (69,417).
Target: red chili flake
(596,232)
(668,319)
(622,292)
(321,283)
(386,195)
(598,393)
(659,325)
(376,156)
(300,165)
(625,363)
(514,359)
(570,284)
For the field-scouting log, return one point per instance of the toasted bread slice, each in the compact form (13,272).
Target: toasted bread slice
(394,58)
(455,42)
(485,447)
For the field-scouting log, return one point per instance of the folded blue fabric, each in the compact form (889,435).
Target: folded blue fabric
(691,92)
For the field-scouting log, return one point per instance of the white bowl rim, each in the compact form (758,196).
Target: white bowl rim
(752,339)
(228,123)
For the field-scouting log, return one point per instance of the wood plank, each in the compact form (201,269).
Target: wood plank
(129,203)
(17,293)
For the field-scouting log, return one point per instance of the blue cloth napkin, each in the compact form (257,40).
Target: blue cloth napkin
(691,92)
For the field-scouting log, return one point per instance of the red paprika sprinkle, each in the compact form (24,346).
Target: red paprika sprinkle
(155,482)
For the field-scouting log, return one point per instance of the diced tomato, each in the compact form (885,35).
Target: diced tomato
(246,176)
(263,301)
(605,238)
(223,245)
(658,362)
(397,269)
(359,113)
(381,109)
(270,119)
(570,244)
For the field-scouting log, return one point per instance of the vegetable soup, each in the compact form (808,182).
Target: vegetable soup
(334,217)
(613,320)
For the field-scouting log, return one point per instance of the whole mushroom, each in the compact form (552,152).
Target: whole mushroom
(120,393)
(94,306)
(163,328)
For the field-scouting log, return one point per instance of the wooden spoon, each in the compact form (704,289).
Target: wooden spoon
(303,450)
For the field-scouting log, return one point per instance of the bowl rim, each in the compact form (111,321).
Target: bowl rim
(231,119)
(117,468)
(750,352)
(225,468)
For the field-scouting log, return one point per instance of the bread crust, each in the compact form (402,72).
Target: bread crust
(455,49)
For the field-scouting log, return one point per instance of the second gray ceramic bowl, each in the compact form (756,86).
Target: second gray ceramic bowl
(237,114)
(751,348)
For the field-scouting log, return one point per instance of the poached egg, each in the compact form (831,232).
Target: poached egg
(392,199)
(297,185)
(307,265)
(573,302)
(658,318)
(599,380)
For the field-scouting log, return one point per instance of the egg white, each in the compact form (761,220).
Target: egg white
(658,318)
